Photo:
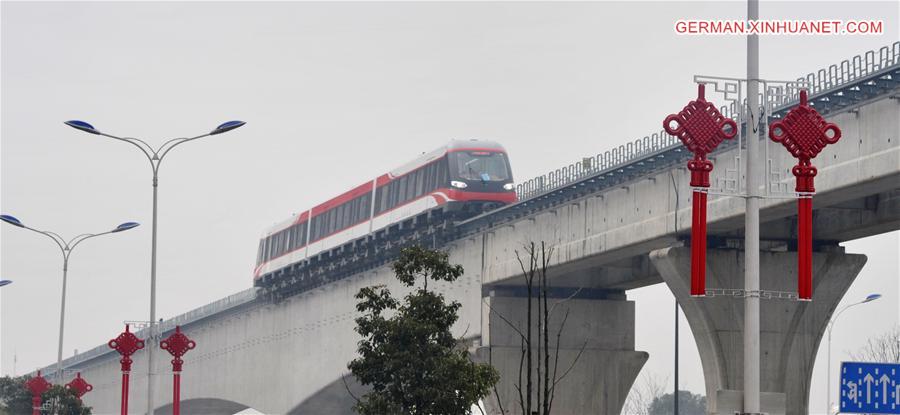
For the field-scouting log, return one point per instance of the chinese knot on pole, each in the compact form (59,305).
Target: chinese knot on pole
(126,344)
(79,386)
(177,345)
(37,386)
(701,127)
(804,133)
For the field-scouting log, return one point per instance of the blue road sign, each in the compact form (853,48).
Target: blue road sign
(870,388)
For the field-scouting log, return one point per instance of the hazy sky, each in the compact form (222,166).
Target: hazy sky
(333,94)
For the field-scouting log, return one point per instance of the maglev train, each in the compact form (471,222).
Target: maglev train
(460,176)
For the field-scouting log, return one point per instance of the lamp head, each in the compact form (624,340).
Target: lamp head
(81,125)
(126,226)
(227,126)
(872,297)
(12,220)
(5,282)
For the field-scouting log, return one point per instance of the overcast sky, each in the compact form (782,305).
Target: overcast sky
(334,94)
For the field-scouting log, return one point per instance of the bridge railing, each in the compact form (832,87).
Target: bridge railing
(210,309)
(623,156)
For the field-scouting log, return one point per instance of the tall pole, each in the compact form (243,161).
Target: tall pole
(151,355)
(62,320)
(751,225)
(676,357)
(828,377)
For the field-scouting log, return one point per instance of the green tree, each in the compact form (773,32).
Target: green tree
(16,399)
(688,404)
(408,356)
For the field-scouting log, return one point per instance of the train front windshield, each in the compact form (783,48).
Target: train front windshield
(479,166)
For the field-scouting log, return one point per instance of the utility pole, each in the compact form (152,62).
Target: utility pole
(751,224)
(676,357)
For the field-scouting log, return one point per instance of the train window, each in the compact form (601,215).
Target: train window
(314,231)
(279,243)
(272,246)
(401,191)
(379,195)
(479,165)
(429,178)
(415,184)
(443,172)
(348,219)
(336,221)
(332,221)
(302,238)
(395,194)
(364,206)
(391,195)
(326,224)
(347,214)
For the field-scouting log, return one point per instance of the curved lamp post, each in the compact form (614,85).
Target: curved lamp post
(155,157)
(66,248)
(869,298)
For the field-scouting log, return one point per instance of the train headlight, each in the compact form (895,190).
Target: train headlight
(458,185)
(509,186)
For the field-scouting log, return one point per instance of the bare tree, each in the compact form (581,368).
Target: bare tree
(539,372)
(884,348)
(643,393)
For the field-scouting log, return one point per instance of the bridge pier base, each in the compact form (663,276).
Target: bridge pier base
(790,330)
(595,347)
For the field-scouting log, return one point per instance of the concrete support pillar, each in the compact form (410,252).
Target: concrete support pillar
(598,332)
(790,330)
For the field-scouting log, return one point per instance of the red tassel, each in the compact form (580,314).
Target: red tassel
(698,244)
(804,248)
(805,174)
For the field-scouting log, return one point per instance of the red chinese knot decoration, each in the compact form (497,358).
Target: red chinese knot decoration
(804,133)
(79,386)
(126,344)
(37,386)
(177,345)
(701,127)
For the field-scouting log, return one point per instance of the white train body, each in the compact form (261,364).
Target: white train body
(457,174)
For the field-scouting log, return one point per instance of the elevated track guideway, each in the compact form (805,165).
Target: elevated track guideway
(837,89)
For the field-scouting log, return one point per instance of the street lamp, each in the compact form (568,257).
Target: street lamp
(5,282)
(155,156)
(66,248)
(869,298)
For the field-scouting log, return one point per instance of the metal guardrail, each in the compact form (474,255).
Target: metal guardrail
(848,71)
